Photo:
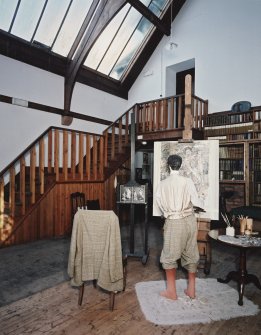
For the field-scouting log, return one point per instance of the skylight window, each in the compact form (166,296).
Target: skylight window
(55,25)
(119,43)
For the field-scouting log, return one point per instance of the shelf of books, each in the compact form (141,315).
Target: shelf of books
(231,162)
(231,126)
(255,173)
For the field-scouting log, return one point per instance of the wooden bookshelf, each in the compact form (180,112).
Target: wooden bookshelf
(240,171)
(255,173)
(231,126)
(231,162)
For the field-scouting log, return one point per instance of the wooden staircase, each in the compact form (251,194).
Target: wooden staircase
(35,187)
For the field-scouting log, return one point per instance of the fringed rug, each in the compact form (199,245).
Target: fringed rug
(215,301)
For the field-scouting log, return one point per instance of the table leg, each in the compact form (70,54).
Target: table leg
(243,275)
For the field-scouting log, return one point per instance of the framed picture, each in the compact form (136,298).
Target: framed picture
(139,194)
(126,193)
(133,194)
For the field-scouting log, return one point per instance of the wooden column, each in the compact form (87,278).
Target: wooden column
(188,120)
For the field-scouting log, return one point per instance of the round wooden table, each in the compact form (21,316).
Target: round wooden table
(242,243)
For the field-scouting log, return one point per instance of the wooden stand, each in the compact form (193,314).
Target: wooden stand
(204,246)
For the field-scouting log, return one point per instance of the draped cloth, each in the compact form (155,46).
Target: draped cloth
(95,250)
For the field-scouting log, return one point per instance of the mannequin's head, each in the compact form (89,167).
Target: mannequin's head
(174,162)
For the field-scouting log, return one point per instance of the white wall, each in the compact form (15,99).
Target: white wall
(20,126)
(223,39)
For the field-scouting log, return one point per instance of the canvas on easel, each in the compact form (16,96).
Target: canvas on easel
(200,162)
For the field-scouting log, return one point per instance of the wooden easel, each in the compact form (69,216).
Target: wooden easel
(203,224)
(143,256)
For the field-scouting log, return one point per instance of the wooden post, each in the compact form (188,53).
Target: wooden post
(188,120)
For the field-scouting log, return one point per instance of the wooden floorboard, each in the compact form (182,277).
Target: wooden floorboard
(55,311)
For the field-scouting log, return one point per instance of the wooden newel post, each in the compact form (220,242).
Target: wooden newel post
(188,119)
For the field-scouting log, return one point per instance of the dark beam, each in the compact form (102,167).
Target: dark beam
(18,49)
(105,11)
(52,110)
(163,27)
(23,51)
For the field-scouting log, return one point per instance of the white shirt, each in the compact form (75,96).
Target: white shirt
(176,196)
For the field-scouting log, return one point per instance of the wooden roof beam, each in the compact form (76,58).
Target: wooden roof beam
(105,11)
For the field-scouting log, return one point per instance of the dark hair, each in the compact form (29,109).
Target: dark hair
(174,161)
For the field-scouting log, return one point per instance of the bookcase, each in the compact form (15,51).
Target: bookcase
(233,126)
(231,162)
(240,172)
(255,173)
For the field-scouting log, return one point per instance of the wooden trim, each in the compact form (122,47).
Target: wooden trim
(81,156)
(32,173)
(120,135)
(22,185)
(101,158)
(50,151)
(113,142)
(88,157)
(73,154)
(65,154)
(56,154)
(41,165)
(95,157)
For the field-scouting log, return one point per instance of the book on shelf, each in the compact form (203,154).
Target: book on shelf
(231,152)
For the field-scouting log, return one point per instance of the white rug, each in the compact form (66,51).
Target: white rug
(215,301)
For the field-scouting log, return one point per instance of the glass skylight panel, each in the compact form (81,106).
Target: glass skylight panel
(26,19)
(51,21)
(103,42)
(71,26)
(118,44)
(122,36)
(131,48)
(7,9)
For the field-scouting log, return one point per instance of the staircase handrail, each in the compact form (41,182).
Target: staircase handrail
(30,146)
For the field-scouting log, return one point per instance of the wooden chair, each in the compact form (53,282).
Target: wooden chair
(112,294)
(77,200)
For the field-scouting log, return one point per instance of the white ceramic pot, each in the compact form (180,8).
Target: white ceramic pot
(230,231)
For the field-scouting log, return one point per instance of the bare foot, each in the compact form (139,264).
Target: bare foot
(189,294)
(169,295)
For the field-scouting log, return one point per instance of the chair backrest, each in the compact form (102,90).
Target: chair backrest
(77,200)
